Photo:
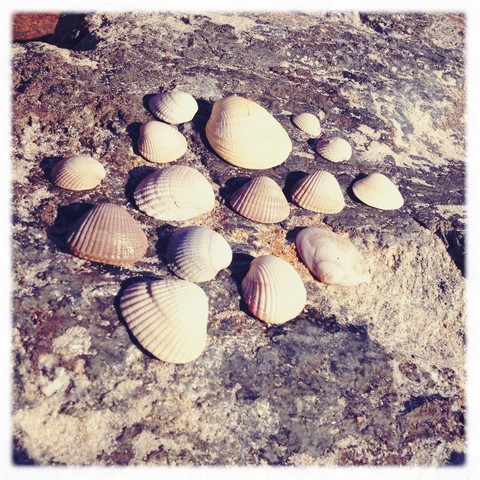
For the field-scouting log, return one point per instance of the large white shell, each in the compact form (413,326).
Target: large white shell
(335,149)
(332,258)
(167,317)
(273,290)
(308,123)
(378,191)
(197,253)
(173,107)
(78,172)
(246,135)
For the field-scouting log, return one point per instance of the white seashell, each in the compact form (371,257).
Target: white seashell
(378,191)
(246,135)
(160,143)
(332,258)
(173,107)
(174,193)
(273,290)
(197,253)
(261,200)
(335,149)
(308,123)
(78,172)
(167,317)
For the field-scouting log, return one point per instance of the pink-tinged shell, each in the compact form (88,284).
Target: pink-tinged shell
(308,123)
(78,172)
(377,190)
(109,234)
(173,107)
(335,149)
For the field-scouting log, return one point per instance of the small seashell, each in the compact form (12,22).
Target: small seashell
(108,233)
(167,317)
(319,192)
(261,200)
(197,253)
(173,107)
(378,191)
(78,172)
(273,290)
(308,123)
(335,149)
(174,193)
(160,143)
(332,258)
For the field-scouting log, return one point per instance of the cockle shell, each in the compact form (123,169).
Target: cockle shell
(108,233)
(332,258)
(173,107)
(160,143)
(378,191)
(174,193)
(78,172)
(167,317)
(197,253)
(319,192)
(261,200)
(335,149)
(246,135)
(273,290)
(308,123)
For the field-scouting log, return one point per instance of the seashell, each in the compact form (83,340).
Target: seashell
(173,107)
(197,253)
(261,200)
(108,233)
(167,317)
(319,192)
(332,258)
(335,149)
(378,191)
(78,172)
(160,143)
(273,290)
(308,123)
(246,135)
(174,193)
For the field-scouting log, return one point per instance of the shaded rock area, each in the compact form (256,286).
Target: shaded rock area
(370,375)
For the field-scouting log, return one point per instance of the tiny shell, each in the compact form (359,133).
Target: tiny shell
(378,191)
(78,172)
(335,149)
(273,290)
(173,107)
(308,123)
(167,317)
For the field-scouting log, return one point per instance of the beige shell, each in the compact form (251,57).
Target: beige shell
(78,172)
(167,317)
(261,200)
(174,193)
(308,123)
(332,258)
(197,253)
(335,149)
(246,135)
(173,107)
(273,290)
(108,233)
(319,192)
(378,191)
(160,143)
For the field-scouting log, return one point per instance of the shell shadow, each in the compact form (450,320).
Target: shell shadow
(231,186)
(292,234)
(312,143)
(163,235)
(135,176)
(238,269)
(146,102)
(47,164)
(291,179)
(350,189)
(200,120)
(133,131)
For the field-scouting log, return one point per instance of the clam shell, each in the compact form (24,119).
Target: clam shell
(332,258)
(273,290)
(319,192)
(108,233)
(160,143)
(335,149)
(173,107)
(308,123)
(261,200)
(246,135)
(378,191)
(197,253)
(174,193)
(78,172)
(167,317)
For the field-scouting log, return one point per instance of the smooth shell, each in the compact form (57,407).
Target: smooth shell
(173,107)
(378,191)
(335,149)
(246,135)
(167,317)
(308,123)
(332,258)
(108,233)
(78,172)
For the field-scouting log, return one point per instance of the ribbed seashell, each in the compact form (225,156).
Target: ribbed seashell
(160,143)
(261,200)
(308,123)
(78,172)
(273,290)
(173,107)
(332,258)
(246,135)
(174,193)
(197,253)
(319,192)
(167,317)
(335,149)
(108,233)
(378,191)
